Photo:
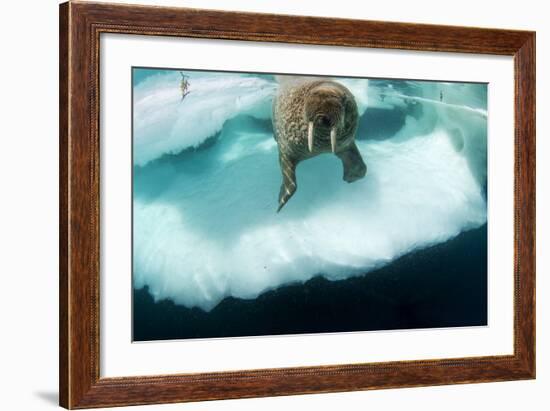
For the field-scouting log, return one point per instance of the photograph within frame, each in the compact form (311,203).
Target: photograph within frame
(81,384)
(196,133)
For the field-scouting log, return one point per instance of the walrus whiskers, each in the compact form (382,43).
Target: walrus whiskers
(333,139)
(310,136)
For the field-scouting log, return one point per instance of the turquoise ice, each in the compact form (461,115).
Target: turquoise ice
(206,181)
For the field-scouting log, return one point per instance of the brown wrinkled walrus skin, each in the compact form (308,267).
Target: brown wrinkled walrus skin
(312,116)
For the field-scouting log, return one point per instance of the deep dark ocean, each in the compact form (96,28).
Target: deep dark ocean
(442,286)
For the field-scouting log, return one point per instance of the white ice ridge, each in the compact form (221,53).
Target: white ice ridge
(207,230)
(165,124)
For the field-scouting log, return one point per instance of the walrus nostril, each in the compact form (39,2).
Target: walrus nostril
(325,121)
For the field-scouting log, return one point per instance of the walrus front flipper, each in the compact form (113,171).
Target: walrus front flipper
(354,166)
(288,187)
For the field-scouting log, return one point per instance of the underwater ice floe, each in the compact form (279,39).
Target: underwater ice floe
(205,225)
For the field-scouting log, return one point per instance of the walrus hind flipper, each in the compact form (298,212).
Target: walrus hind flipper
(354,166)
(284,196)
(288,187)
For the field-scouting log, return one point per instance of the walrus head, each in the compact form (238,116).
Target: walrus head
(327,110)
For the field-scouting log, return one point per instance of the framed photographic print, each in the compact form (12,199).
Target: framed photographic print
(258,205)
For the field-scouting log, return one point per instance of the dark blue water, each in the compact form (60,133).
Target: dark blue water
(442,286)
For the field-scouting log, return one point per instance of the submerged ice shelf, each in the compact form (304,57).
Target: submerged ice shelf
(205,225)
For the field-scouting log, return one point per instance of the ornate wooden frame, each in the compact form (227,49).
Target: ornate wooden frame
(80,27)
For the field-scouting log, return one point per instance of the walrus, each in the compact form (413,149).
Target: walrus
(312,116)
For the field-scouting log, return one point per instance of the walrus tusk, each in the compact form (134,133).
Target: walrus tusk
(333,139)
(310,136)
